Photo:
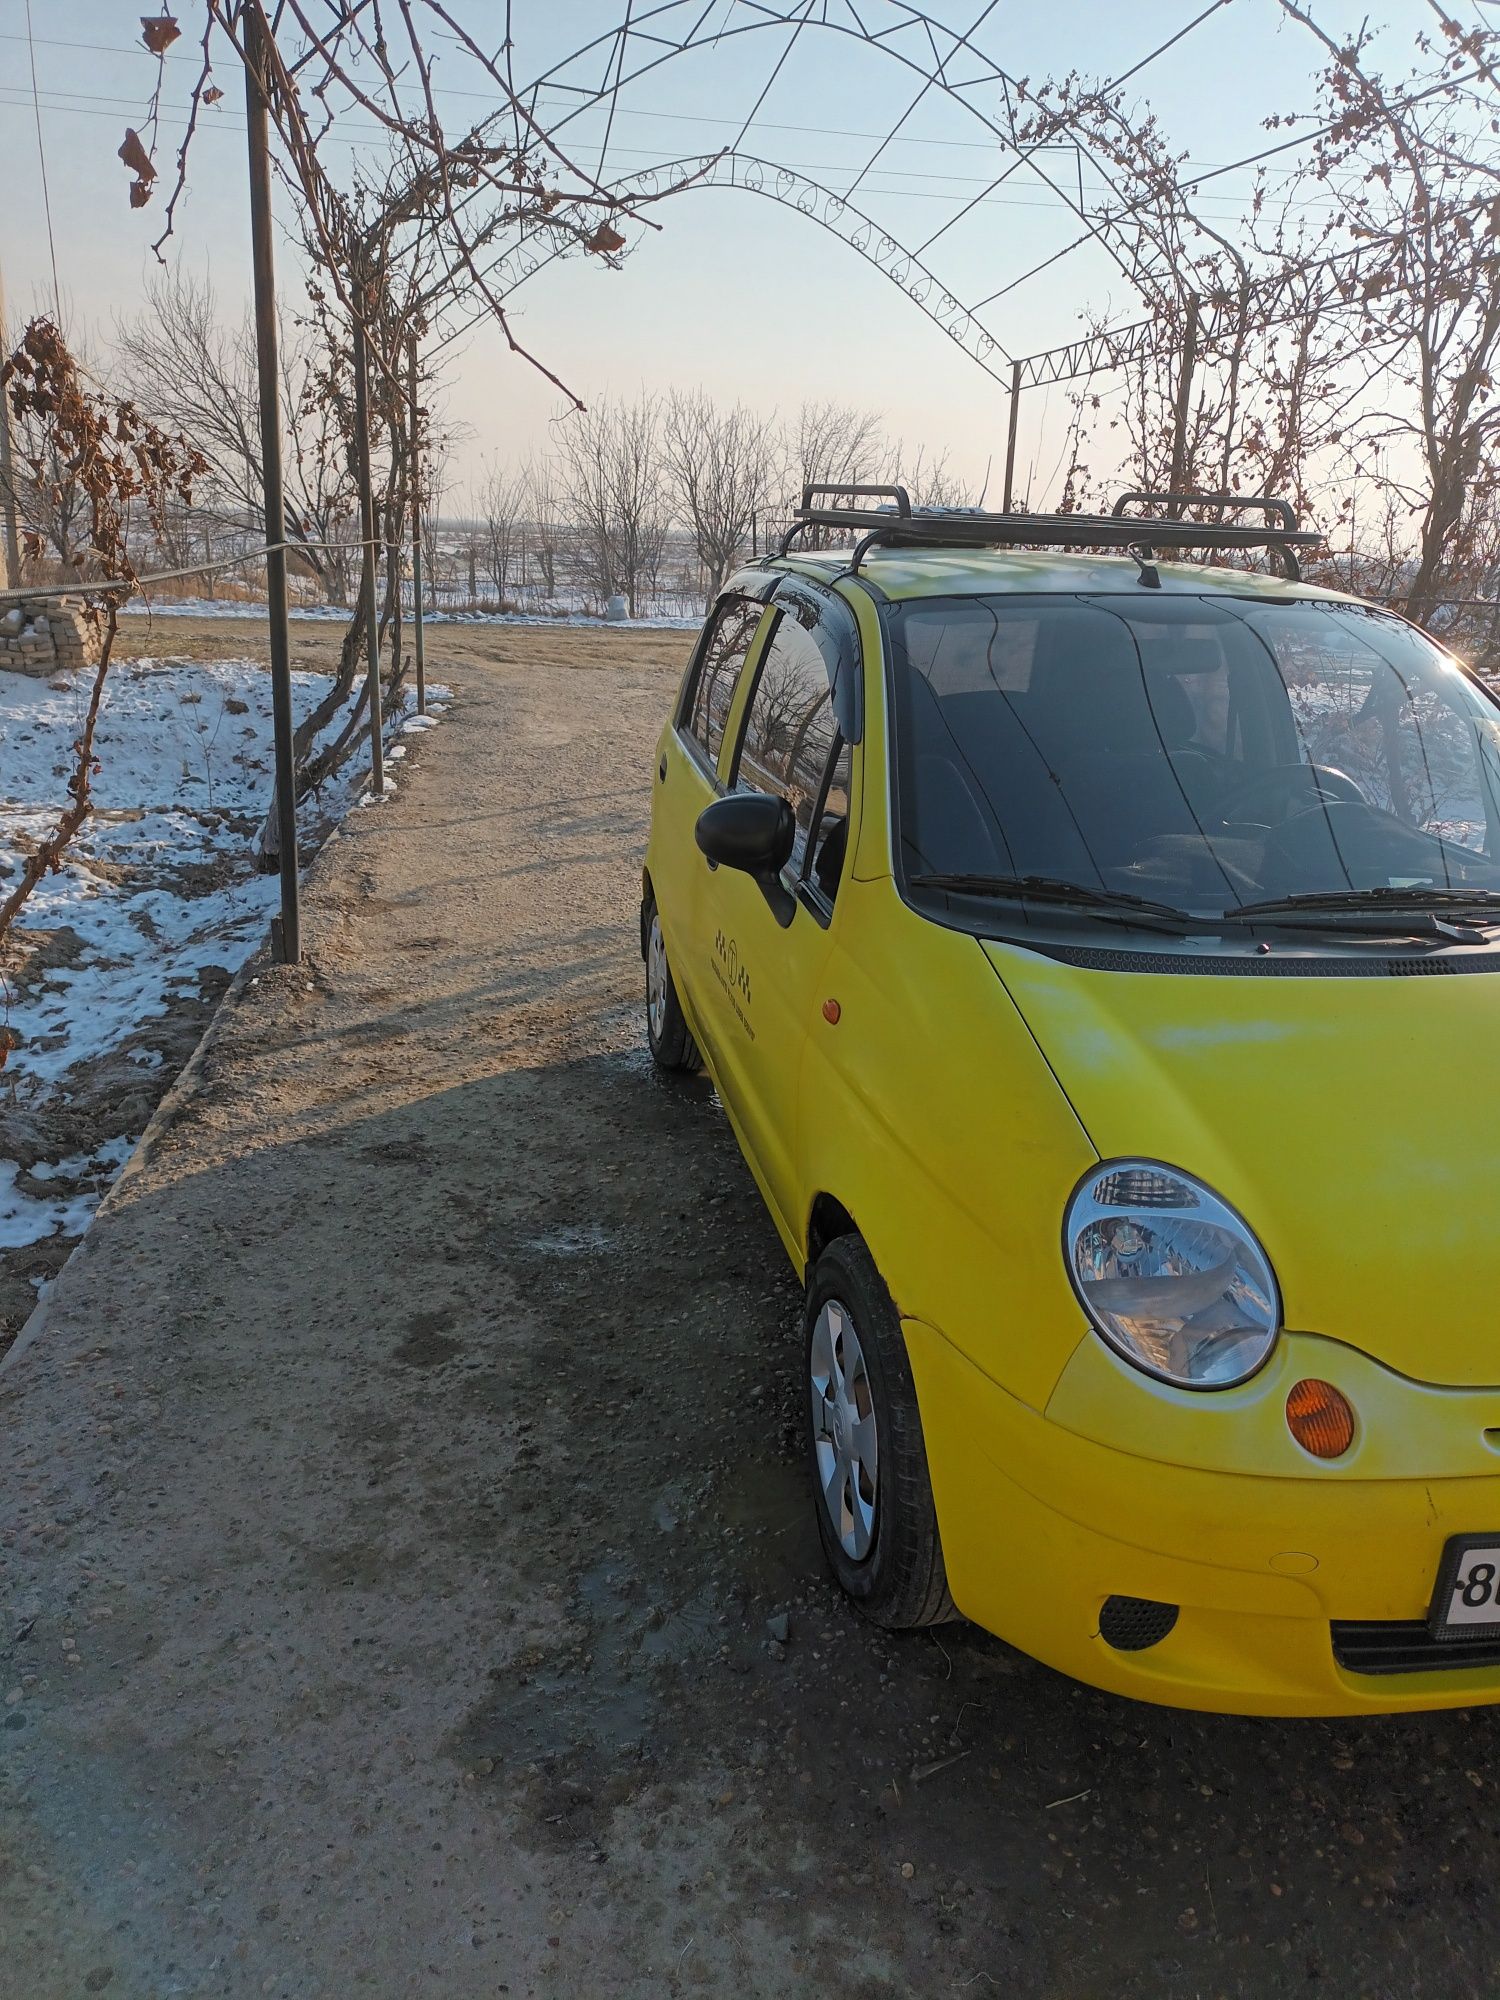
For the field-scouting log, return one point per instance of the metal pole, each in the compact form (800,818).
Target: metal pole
(286,934)
(416,531)
(367,532)
(1010,442)
(1184,403)
(7,477)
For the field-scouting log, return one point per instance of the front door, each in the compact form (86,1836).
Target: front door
(766,990)
(690,756)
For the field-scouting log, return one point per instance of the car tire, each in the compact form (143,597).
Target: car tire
(871,1491)
(672,1045)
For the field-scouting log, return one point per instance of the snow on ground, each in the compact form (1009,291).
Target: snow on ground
(548,614)
(118,958)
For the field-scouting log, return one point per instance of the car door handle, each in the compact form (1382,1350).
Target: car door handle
(661,769)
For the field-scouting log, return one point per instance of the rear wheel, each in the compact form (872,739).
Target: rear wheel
(672,1044)
(866,1454)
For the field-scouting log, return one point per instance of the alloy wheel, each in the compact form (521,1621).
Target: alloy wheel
(656,979)
(845,1439)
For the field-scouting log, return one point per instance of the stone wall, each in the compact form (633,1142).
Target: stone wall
(45,636)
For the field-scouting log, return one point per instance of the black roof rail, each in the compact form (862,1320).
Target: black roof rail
(1281,510)
(897,493)
(810,516)
(898,524)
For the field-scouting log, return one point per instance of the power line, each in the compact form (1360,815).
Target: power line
(81,104)
(41,153)
(705,118)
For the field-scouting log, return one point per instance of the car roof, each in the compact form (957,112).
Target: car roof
(902,574)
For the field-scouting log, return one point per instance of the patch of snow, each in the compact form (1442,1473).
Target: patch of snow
(26,1218)
(159,886)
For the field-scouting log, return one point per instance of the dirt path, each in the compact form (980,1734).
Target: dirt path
(397,1496)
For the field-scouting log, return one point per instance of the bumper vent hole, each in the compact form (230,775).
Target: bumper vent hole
(1131,1624)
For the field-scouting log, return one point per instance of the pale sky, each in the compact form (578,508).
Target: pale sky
(751,300)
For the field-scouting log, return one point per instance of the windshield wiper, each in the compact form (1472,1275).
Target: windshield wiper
(1110,904)
(1379,911)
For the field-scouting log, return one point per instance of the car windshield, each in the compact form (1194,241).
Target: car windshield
(1202,752)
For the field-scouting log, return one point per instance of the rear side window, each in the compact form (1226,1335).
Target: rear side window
(790,734)
(721,656)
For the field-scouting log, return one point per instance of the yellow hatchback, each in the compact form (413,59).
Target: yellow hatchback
(1094,957)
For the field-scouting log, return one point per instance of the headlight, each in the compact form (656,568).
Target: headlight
(1170,1275)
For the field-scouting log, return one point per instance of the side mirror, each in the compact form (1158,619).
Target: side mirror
(753,832)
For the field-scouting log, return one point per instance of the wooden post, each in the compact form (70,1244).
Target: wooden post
(286,935)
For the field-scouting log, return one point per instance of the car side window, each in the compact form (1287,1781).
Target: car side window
(791,746)
(722,654)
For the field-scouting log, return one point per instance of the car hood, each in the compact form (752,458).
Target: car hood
(1353,1121)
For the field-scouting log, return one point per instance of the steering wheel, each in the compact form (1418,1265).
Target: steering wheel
(1286,786)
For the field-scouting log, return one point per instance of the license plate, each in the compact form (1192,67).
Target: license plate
(1467,1597)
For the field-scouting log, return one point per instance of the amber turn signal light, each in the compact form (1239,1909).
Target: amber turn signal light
(1320,1418)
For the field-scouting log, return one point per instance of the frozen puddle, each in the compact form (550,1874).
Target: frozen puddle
(586,1239)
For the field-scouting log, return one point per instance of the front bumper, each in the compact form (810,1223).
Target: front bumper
(1041,1526)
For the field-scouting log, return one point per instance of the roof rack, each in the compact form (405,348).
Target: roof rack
(897,524)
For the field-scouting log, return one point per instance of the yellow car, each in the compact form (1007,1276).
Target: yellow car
(1098,959)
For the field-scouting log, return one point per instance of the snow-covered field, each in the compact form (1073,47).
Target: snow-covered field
(118,958)
(558,614)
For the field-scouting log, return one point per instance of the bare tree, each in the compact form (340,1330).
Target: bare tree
(1349,345)
(543,524)
(46,488)
(434,486)
(190,370)
(1417,178)
(127,470)
(501,527)
(833,442)
(929,479)
(612,471)
(722,464)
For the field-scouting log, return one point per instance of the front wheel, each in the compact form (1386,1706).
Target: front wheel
(866,1454)
(667,1031)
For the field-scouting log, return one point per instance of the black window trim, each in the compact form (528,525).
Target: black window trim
(816,898)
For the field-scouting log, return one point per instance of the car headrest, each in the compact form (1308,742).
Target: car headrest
(1172,706)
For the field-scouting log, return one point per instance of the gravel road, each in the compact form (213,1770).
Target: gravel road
(401,1499)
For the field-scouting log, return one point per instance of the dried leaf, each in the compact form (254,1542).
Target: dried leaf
(212,94)
(605,240)
(158,32)
(135,156)
(140,193)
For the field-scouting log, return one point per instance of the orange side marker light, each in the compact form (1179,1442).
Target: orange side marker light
(1320,1418)
(831,1012)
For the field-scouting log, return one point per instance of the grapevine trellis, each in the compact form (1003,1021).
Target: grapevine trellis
(481,211)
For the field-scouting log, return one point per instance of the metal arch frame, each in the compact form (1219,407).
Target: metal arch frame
(748,174)
(1210,322)
(943,45)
